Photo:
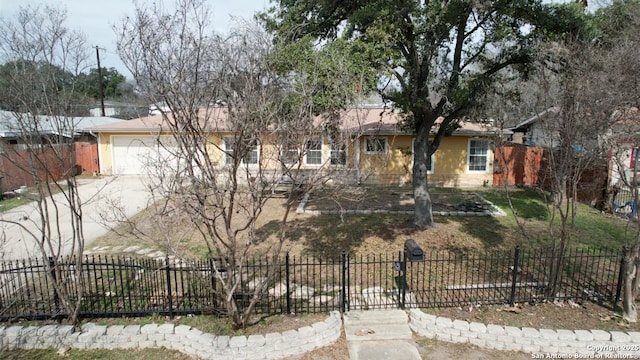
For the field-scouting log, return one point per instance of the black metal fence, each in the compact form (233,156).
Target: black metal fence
(117,286)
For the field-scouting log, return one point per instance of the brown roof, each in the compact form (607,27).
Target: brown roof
(362,120)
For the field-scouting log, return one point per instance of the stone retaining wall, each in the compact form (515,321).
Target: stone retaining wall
(577,343)
(182,338)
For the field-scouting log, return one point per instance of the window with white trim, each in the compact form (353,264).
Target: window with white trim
(313,149)
(289,153)
(338,153)
(375,145)
(250,158)
(478,155)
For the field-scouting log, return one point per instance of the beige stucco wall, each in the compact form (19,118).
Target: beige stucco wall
(392,168)
(450,164)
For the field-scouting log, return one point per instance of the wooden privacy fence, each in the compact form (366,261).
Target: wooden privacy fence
(48,163)
(86,158)
(24,168)
(518,165)
(118,286)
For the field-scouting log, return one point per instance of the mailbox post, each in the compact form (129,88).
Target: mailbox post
(413,250)
(413,253)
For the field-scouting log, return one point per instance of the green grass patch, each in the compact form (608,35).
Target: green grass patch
(590,227)
(75,354)
(31,195)
(8,204)
(529,204)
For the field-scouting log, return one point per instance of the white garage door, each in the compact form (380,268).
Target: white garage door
(139,155)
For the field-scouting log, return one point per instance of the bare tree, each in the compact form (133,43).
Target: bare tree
(622,74)
(586,79)
(624,140)
(612,93)
(42,56)
(238,129)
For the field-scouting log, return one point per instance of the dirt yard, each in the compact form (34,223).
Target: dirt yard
(307,234)
(329,235)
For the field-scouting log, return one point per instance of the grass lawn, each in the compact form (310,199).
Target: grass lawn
(7,204)
(75,354)
(592,228)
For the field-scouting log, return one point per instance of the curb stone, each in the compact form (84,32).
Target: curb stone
(182,338)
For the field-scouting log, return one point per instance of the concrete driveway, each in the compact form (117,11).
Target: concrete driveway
(111,196)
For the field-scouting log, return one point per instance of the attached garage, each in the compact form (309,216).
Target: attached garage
(140,154)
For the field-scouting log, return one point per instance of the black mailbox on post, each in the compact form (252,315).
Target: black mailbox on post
(413,251)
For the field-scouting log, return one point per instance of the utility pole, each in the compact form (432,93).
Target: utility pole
(100,82)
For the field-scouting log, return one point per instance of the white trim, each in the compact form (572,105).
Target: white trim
(100,156)
(356,160)
(486,166)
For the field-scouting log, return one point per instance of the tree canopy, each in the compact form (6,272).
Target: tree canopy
(113,83)
(434,59)
(79,91)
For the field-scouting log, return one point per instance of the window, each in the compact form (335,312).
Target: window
(314,152)
(251,152)
(228,149)
(338,153)
(430,160)
(478,157)
(289,153)
(430,164)
(252,155)
(375,145)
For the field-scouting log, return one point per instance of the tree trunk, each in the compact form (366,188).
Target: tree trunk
(423,206)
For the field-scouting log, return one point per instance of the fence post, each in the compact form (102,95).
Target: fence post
(343,282)
(213,283)
(286,269)
(514,276)
(56,298)
(623,262)
(169,297)
(403,278)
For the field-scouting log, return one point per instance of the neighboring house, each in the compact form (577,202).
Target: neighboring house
(14,143)
(119,110)
(623,138)
(538,134)
(375,151)
(535,130)
(158,109)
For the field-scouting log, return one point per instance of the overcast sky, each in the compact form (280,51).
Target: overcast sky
(95,18)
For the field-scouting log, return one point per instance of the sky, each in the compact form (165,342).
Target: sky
(95,18)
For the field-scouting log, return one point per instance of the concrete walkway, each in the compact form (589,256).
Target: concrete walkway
(103,199)
(379,334)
